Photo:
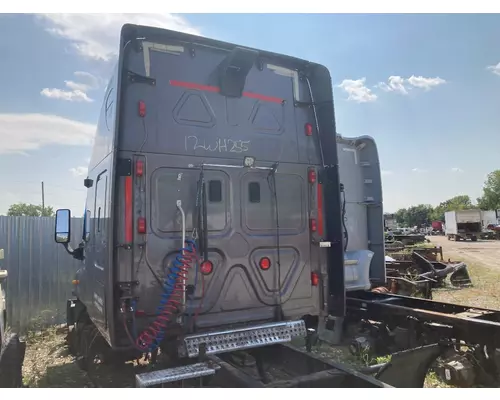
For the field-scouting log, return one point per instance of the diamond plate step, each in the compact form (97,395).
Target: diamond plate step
(174,374)
(244,338)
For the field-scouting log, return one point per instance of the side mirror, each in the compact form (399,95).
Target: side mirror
(63,226)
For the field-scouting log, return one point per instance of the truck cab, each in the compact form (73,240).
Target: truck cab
(215,214)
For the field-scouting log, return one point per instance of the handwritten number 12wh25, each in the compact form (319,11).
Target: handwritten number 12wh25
(221,145)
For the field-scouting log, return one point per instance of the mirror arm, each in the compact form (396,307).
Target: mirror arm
(75,253)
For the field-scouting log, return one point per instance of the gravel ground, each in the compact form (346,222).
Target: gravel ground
(49,364)
(483,263)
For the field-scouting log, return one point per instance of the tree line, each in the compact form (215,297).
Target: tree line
(30,210)
(424,214)
(421,214)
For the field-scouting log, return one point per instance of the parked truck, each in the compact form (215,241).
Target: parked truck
(463,224)
(488,218)
(437,228)
(216,221)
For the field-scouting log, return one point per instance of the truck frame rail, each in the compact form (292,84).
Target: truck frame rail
(280,365)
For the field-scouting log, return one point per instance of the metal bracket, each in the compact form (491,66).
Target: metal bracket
(127,285)
(136,78)
(124,167)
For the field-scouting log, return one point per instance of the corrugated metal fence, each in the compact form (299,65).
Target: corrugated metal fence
(40,271)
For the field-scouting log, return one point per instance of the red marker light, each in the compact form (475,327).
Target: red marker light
(141,225)
(139,168)
(142,109)
(311,175)
(206,267)
(313,225)
(265,263)
(314,279)
(308,128)
(140,313)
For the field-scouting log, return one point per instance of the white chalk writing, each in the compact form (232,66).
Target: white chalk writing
(221,145)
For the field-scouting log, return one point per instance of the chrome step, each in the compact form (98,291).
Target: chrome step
(243,338)
(169,375)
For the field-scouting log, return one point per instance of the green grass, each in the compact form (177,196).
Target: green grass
(483,294)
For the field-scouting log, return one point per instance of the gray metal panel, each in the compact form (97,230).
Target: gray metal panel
(185,125)
(40,271)
(359,170)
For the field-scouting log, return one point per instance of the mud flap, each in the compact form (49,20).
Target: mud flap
(408,368)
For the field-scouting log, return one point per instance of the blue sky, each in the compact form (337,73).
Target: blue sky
(426,87)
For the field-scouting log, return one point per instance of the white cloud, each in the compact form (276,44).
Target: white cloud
(395,84)
(83,87)
(79,171)
(425,83)
(96,36)
(385,172)
(494,68)
(93,81)
(21,133)
(456,169)
(402,85)
(78,90)
(418,170)
(357,90)
(68,95)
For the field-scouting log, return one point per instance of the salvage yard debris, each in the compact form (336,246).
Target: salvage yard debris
(417,272)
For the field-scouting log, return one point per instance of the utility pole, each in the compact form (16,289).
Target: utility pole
(43,199)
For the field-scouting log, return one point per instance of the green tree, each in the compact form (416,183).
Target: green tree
(490,200)
(29,210)
(415,215)
(419,215)
(401,216)
(461,202)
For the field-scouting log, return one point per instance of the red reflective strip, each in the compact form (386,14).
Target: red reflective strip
(128,210)
(319,192)
(190,85)
(215,89)
(263,98)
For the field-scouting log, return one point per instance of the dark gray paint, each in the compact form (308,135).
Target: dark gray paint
(183,128)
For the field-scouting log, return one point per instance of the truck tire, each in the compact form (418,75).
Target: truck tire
(11,362)
(473,238)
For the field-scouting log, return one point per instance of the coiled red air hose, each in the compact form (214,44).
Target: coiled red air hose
(173,287)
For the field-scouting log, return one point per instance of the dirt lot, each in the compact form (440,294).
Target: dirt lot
(48,363)
(485,252)
(483,262)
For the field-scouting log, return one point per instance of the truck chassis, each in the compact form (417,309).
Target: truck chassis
(465,341)
(259,356)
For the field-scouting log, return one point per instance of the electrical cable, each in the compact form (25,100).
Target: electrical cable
(346,233)
(201,214)
(272,188)
(200,306)
(174,282)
